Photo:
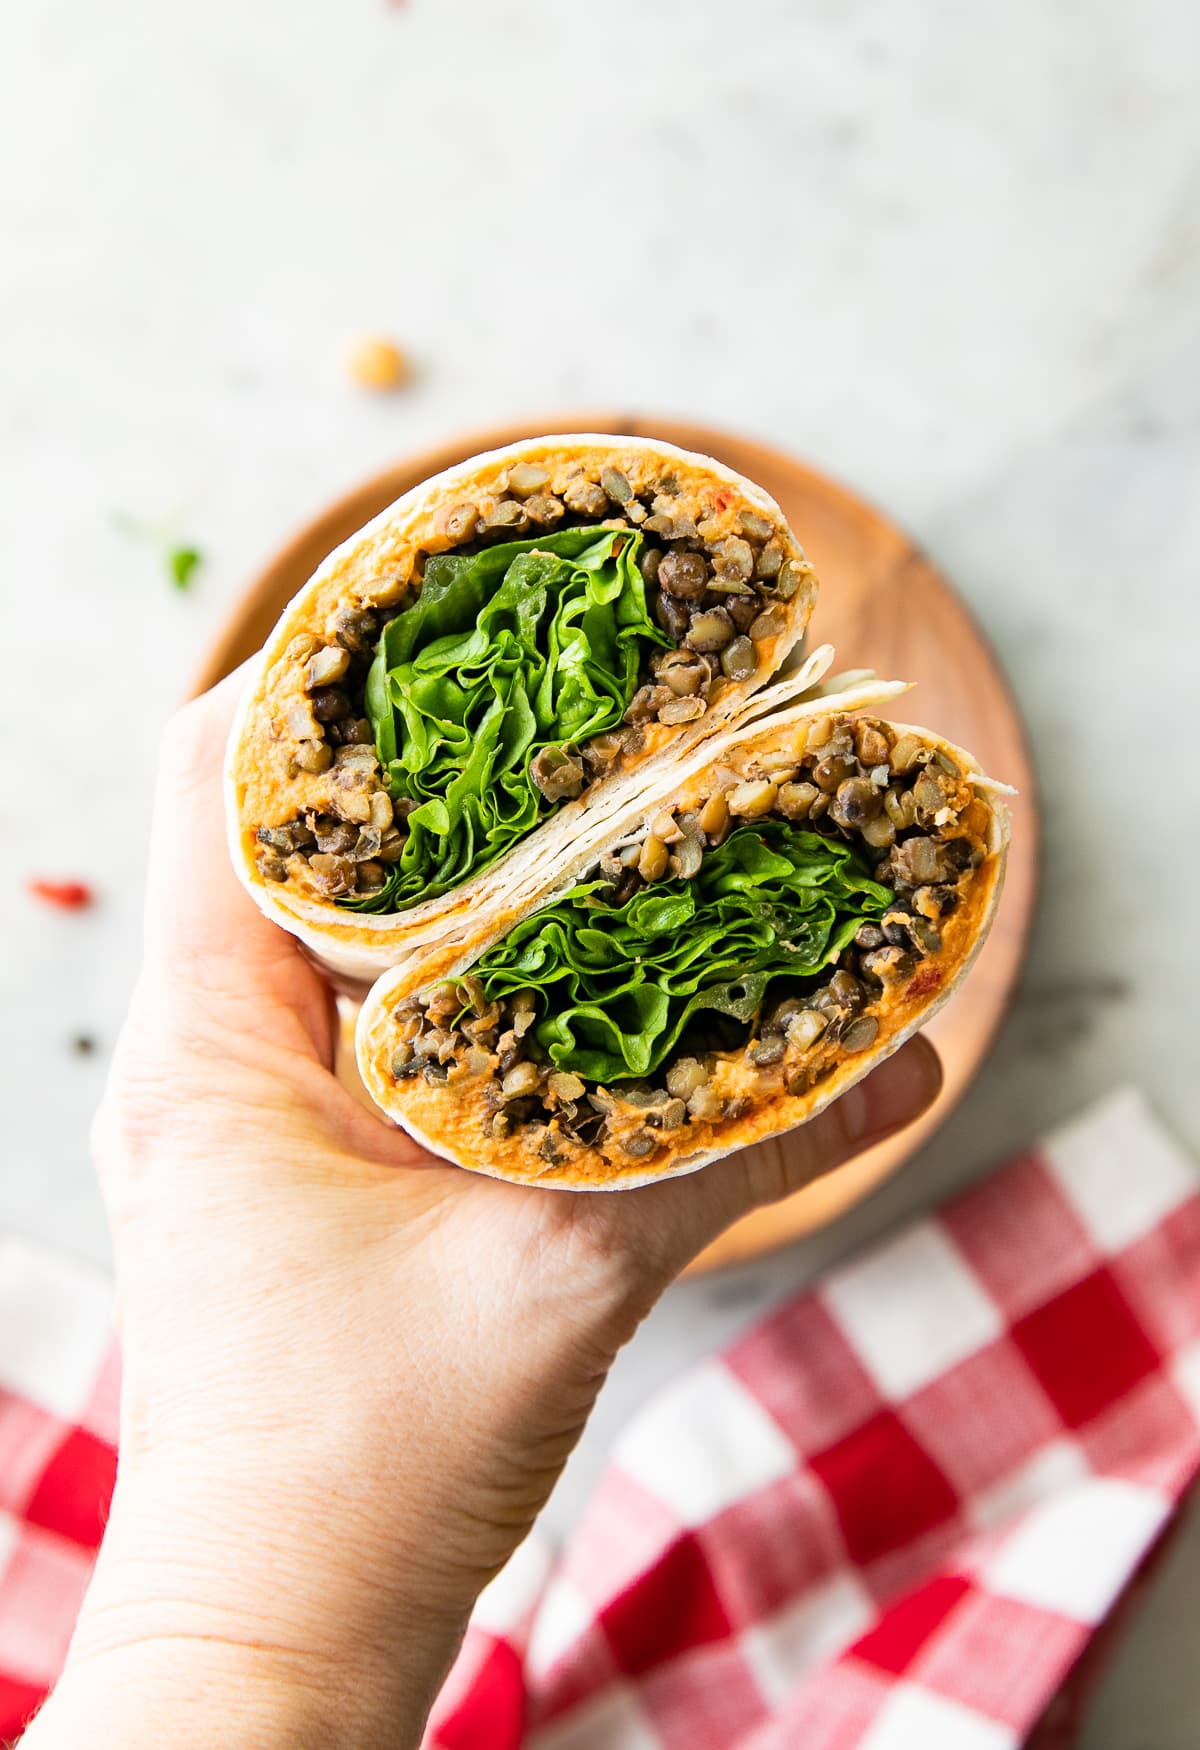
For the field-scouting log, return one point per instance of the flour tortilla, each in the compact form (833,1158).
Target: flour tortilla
(448,1118)
(375,564)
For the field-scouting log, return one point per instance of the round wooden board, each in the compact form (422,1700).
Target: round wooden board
(884,606)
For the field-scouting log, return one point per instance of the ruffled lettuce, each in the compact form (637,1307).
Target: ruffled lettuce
(618,985)
(519,647)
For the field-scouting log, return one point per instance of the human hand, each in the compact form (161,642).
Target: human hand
(352,1373)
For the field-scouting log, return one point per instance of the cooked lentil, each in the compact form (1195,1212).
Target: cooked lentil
(799,1037)
(711,583)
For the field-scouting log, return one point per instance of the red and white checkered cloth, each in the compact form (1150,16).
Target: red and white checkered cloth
(890,1517)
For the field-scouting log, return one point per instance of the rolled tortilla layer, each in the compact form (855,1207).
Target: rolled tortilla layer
(831,876)
(671,591)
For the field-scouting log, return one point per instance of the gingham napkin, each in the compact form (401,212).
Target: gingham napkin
(890,1517)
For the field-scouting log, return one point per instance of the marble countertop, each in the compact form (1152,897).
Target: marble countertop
(949,253)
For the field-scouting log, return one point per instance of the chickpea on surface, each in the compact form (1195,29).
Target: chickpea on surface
(374,362)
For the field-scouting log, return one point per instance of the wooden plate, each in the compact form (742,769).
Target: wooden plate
(885,606)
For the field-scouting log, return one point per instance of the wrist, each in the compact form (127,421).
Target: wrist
(194,1693)
(298,1619)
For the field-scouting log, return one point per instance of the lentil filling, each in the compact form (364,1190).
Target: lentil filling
(527,655)
(727,953)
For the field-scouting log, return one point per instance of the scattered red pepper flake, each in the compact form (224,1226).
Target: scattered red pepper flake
(65,895)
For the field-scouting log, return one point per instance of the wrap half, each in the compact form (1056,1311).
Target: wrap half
(763,925)
(510,651)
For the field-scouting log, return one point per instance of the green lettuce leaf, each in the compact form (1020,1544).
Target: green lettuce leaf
(528,645)
(618,985)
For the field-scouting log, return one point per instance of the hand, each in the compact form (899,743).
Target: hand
(352,1372)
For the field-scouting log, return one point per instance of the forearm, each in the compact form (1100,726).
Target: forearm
(200,1630)
(197,1695)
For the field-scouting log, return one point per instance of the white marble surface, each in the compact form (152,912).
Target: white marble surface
(948,251)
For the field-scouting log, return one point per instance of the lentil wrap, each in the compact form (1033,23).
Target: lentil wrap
(764,923)
(491,669)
